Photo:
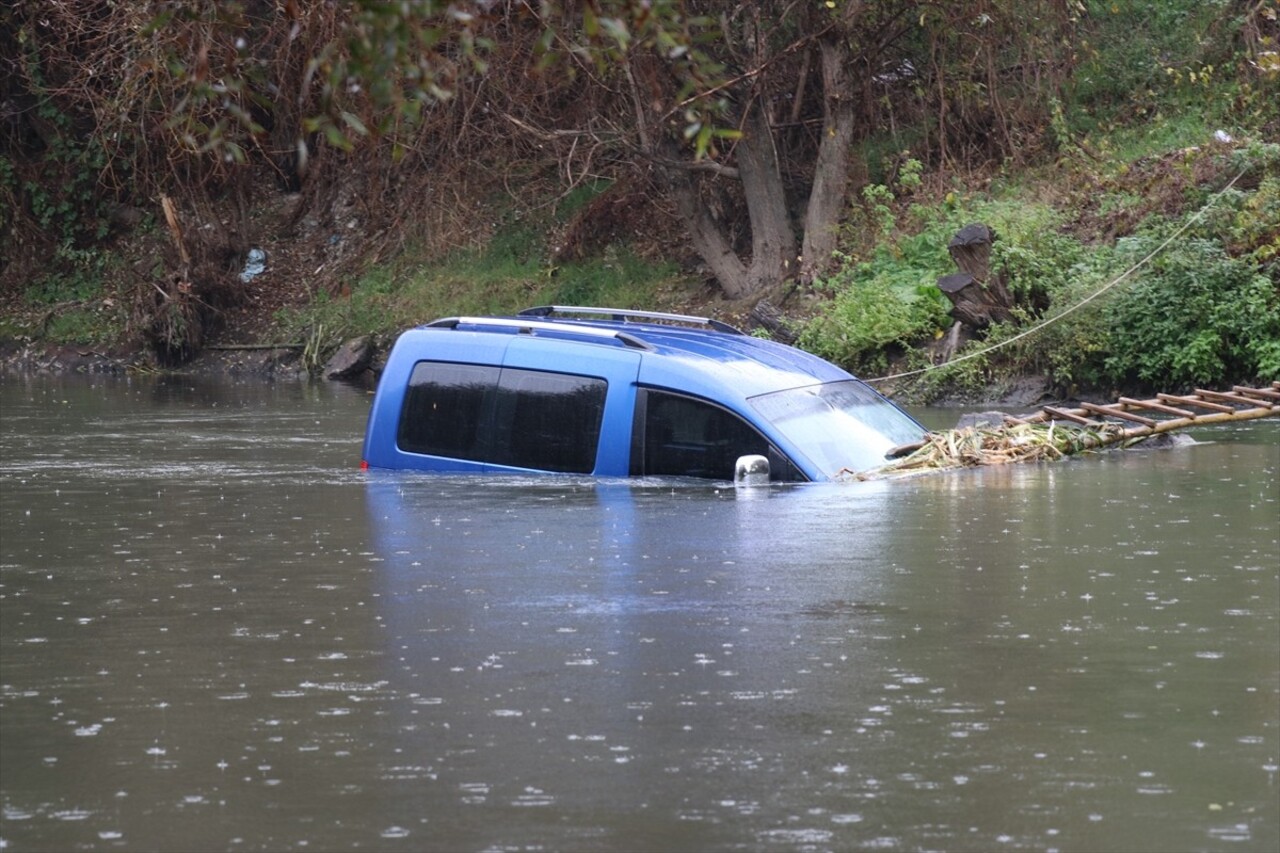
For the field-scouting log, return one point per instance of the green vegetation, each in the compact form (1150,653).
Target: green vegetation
(1084,134)
(72,304)
(1201,309)
(66,203)
(881,306)
(1198,317)
(506,275)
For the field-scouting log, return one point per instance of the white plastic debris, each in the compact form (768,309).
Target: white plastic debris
(254,264)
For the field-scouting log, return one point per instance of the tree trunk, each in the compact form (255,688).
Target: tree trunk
(827,198)
(776,255)
(773,243)
(706,235)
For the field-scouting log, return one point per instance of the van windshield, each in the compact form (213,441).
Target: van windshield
(839,425)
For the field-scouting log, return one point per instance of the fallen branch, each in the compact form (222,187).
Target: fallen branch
(175,231)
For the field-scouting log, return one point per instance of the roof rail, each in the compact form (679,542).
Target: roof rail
(531,327)
(620,315)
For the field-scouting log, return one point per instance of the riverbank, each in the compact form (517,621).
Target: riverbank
(17,358)
(1197,260)
(1128,203)
(286,364)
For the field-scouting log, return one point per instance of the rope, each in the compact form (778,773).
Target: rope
(1083,302)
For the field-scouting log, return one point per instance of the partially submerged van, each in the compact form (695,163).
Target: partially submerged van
(615,392)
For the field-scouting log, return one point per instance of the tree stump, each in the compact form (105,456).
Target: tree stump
(978,299)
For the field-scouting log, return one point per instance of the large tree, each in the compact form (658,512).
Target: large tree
(749,113)
(745,114)
(766,95)
(745,107)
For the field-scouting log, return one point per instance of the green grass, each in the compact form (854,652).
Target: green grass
(510,274)
(890,301)
(75,303)
(82,326)
(1162,134)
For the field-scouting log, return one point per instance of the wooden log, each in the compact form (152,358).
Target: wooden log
(1257,392)
(1225,397)
(1155,407)
(766,316)
(970,248)
(1066,415)
(1117,412)
(1193,402)
(175,230)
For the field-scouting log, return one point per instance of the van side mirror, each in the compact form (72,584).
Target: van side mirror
(751,470)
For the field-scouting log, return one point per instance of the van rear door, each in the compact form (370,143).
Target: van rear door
(563,405)
(411,388)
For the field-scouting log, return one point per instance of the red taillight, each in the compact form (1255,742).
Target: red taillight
(364,466)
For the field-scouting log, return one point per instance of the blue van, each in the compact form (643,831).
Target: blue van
(616,392)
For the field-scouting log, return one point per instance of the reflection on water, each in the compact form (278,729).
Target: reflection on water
(217,634)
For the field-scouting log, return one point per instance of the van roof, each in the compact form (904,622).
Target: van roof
(695,351)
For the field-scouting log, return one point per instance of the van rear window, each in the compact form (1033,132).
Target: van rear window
(444,407)
(504,416)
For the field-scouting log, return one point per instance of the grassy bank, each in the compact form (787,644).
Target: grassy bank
(1159,272)
(1200,309)
(1139,237)
(1163,271)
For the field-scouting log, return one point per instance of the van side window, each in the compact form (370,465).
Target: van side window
(548,421)
(504,416)
(444,407)
(682,436)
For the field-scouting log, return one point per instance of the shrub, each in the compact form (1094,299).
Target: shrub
(875,307)
(893,300)
(1196,317)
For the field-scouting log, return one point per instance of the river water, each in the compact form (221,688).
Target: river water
(218,634)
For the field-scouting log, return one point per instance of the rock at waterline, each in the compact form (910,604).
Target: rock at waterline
(352,359)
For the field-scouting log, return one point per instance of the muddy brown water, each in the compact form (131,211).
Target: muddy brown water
(216,633)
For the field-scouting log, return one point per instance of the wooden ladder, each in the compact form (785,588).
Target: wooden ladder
(1166,412)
